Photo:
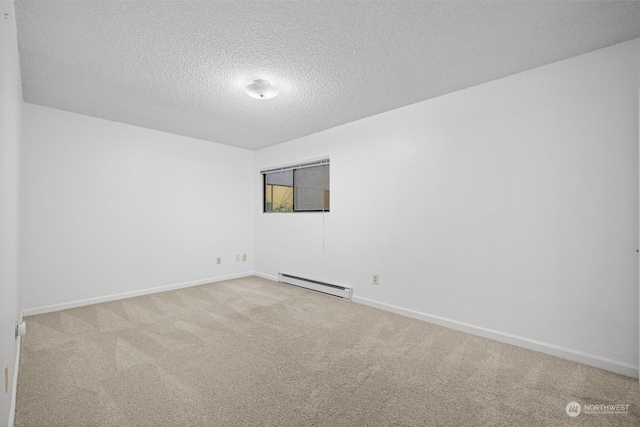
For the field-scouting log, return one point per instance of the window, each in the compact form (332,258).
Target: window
(300,188)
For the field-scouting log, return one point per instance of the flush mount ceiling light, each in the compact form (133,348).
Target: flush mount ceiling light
(261,89)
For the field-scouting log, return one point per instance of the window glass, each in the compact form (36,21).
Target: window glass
(311,189)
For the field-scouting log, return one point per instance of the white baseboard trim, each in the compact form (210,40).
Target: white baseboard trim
(551,349)
(14,386)
(123,295)
(265,276)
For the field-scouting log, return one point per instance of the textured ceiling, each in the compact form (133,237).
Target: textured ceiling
(181,66)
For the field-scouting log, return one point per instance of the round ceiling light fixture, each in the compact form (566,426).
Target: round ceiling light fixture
(261,89)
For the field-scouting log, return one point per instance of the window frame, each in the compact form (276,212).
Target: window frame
(307,164)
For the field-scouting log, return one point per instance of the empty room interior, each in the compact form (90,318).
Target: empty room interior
(319,213)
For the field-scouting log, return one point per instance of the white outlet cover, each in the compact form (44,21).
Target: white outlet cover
(21,329)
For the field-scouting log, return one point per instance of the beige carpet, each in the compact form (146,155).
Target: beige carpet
(251,352)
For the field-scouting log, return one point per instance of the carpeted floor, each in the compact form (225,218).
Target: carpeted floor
(251,352)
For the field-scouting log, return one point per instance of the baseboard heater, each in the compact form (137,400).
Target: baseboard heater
(314,285)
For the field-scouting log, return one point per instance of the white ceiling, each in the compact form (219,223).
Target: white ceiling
(181,66)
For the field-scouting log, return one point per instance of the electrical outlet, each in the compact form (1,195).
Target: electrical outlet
(218,261)
(244,257)
(375,280)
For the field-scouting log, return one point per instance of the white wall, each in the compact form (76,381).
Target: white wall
(10,110)
(109,208)
(510,206)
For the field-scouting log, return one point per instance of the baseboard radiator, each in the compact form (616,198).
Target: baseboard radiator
(335,290)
